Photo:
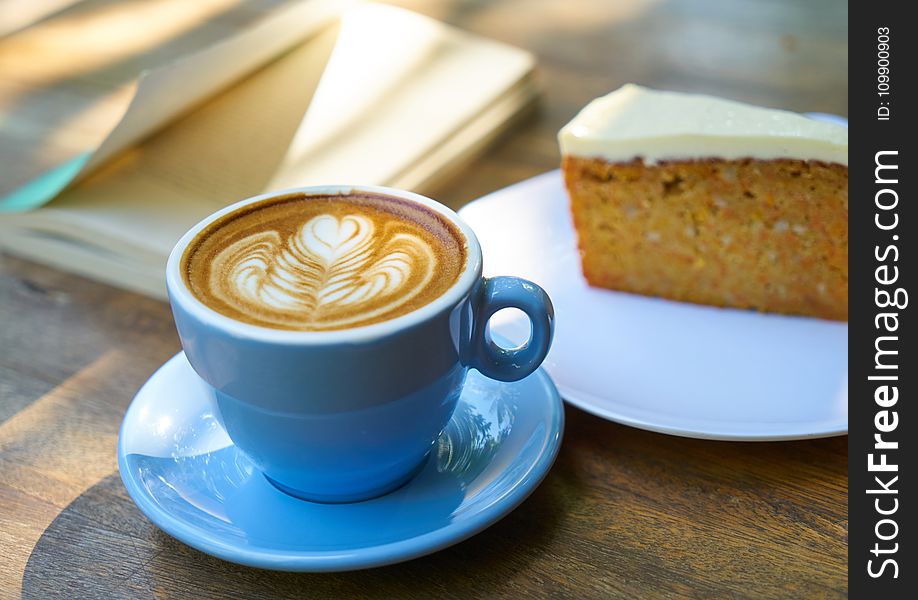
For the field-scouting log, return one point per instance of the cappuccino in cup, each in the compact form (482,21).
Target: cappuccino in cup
(324,262)
(334,327)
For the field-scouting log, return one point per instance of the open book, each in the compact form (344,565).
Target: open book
(313,92)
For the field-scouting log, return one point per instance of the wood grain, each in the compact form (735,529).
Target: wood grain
(624,513)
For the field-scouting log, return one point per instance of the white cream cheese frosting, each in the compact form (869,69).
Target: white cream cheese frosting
(634,121)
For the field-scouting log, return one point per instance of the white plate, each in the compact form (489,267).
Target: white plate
(666,366)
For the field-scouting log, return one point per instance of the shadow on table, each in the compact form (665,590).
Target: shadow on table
(101,546)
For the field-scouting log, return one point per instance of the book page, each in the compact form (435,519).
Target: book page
(388,108)
(16,14)
(359,104)
(396,87)
(172,89)
(225,150)
(69,93)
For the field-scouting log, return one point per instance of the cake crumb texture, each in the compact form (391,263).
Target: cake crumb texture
(769,235)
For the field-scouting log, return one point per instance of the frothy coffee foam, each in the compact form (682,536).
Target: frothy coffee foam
(322,263)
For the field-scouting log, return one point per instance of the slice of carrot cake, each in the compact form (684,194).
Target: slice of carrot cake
(710,201)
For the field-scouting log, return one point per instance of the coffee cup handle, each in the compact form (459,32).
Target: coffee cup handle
(511,364)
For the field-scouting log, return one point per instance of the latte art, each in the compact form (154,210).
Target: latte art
(322,263)
(317,275)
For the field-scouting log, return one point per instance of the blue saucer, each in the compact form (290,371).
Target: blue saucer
(185,474)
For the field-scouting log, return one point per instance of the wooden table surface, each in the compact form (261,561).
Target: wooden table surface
(623,513)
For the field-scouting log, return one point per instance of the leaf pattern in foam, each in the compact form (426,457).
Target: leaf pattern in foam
(324,273)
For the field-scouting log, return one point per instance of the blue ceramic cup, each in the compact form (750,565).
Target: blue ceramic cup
(346,415)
